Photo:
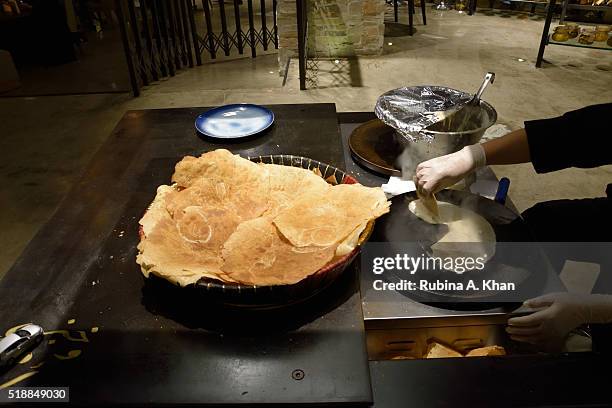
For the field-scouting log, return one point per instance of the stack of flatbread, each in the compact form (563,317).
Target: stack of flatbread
(236,221)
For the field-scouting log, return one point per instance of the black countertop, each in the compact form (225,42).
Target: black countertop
(153,345)
(130,343)
(571,380)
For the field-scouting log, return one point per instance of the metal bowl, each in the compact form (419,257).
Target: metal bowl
(404,108)
(442,143)
(269,297)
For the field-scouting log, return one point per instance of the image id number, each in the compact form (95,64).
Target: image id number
(34,394)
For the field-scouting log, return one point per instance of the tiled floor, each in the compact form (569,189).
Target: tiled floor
(47,141)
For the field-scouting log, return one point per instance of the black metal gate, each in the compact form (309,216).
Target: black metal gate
(302,28)
(259,31)
(158,38)
(161,37)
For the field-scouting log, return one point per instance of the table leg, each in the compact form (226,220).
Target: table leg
(411,16)
(544,39)
(423,12)
(395,11)
(474,6)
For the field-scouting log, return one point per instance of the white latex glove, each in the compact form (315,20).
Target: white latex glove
(440,172)
(559,314)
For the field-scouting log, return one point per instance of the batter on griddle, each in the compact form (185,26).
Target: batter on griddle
(464,226)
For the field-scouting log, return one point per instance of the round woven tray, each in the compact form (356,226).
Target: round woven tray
(263,297)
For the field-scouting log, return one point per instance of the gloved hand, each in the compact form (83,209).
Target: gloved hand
(559,314)
(440,172)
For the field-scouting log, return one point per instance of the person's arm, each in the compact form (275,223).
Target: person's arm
(512,148)
(579,138)
(444,171)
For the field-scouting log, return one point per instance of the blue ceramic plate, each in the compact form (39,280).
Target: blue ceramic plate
(234,121)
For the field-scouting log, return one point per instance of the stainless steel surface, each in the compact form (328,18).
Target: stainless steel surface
(467,116)
(460,108)
(397,326)
(388,344)
(402,328)
(440,143)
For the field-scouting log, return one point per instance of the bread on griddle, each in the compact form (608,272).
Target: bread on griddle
(438,350)
(487,351)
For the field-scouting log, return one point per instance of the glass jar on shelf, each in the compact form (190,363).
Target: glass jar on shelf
(573,29)
(561,34)
(587,36)
(601,33)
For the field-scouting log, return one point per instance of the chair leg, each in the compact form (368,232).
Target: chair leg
(471,7)
(423,13)
(395,11)
(411,16)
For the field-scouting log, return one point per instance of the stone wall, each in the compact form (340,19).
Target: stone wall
(336,28)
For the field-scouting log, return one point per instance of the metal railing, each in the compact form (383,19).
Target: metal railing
(236,38)
(302,27)
(160,37)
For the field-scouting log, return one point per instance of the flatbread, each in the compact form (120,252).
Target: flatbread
(218,221)
(236,181)
(350,242)
(327,218)
(201,192)
(469,234)
(437,350)
(187,247)
(487,351)
(217,165)
(256,254)
(289,183)
(157,208)
(360,201)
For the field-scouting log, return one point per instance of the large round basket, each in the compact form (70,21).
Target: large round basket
(267,297)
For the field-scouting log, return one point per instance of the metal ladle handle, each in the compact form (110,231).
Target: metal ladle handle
(489,78)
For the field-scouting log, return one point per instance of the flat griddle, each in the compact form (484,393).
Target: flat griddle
(374,146)
(401,226)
